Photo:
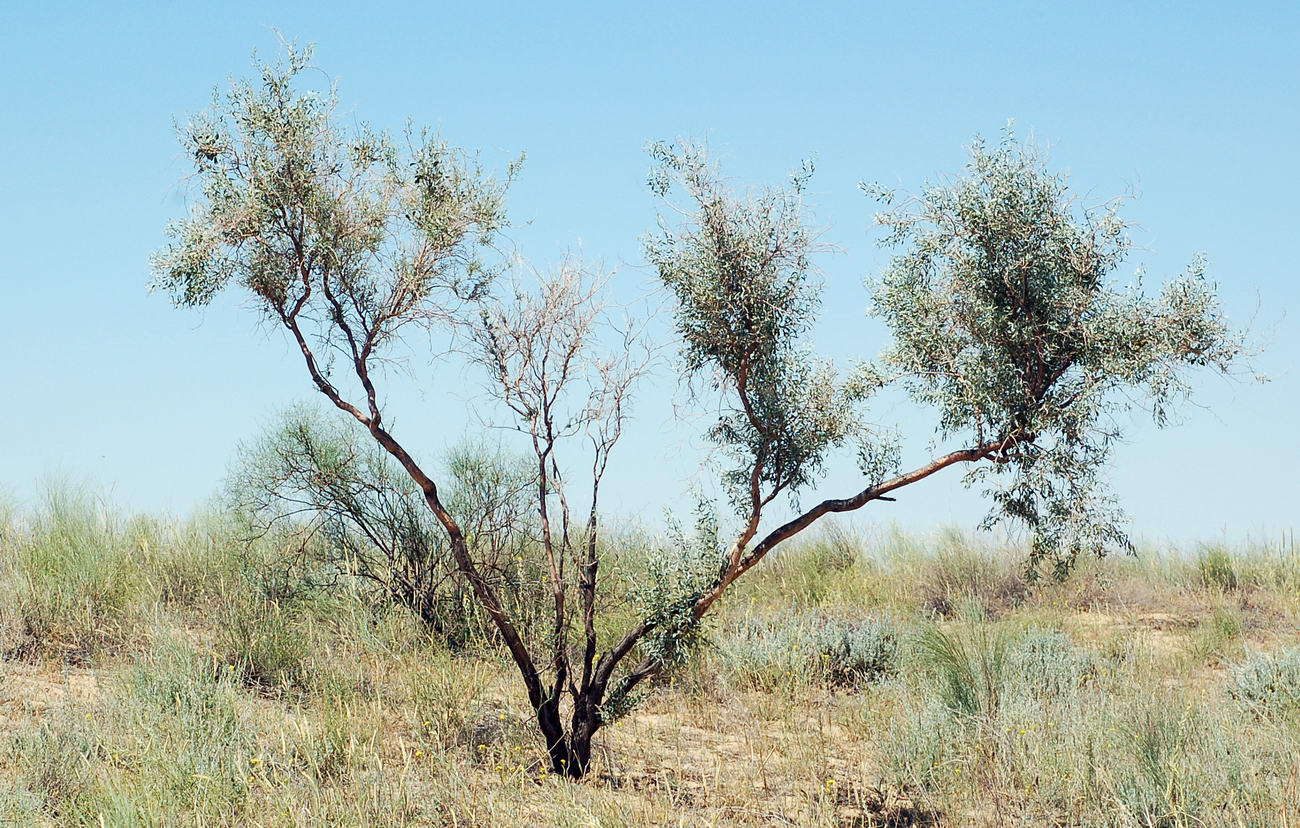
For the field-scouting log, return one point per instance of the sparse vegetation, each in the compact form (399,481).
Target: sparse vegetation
(866,707)
(1217,569)
(780,650)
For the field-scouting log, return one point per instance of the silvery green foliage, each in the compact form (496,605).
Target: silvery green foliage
(850,652)
(1048,663)
(677,573)
(325,223)
(880,454)
(1006,320)
(765,653)
(1268,683)
(919,747)
(741,274)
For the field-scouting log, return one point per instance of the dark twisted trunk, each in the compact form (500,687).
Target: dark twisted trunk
(569,750)
(552,727)
(586,721)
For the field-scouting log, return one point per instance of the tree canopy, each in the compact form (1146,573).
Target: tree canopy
(1005,317)
(1007,320)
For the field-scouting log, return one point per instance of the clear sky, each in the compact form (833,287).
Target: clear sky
(1194,106)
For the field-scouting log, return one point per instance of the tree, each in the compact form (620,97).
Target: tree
(999,303)
(539,350)
(345,241)
(1006,320)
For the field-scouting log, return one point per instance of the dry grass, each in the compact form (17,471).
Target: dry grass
(1111,699)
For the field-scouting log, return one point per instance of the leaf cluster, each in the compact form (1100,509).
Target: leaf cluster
(740,270)
(1007,321)
(349,228)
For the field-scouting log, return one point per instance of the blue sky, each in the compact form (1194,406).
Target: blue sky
(1197,110)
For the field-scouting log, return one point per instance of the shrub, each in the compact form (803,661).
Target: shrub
(1218,637)
(53,759)
(961,575)
(970,673)
(837,549)
(193,696)
(1154,789)
(72,591)
(764,654)
(917,745)
(333,510)
(1180,767)
(176,719)
(1268,683)
(861,651)
(166,747)
(1048,662)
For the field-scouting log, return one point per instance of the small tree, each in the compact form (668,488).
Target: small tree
(1006,320)
(999,304)
(539,350)
(345,241)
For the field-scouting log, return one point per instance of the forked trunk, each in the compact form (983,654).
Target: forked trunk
(569,752)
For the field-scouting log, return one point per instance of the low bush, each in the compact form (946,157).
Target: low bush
(1048,663)
(81,582)
(257,642)
(1218,638)
(168,747)
(960,575)
(74,589)
(969,671)
(809,647)
(1267,683)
